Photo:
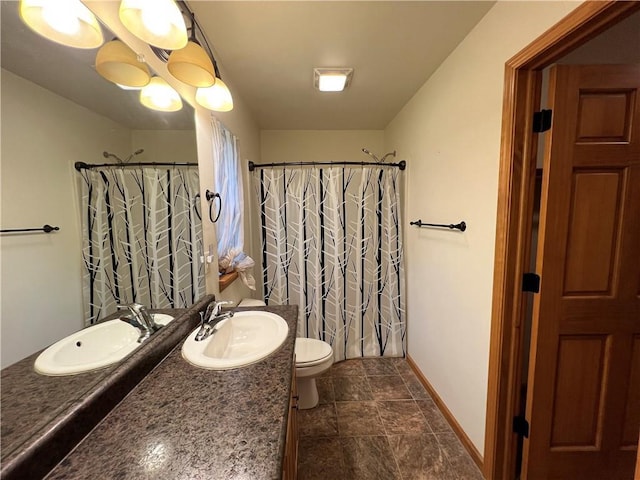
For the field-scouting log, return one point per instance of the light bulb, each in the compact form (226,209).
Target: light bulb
(217,98)
(155,22)
(159,95)
(332,83)
(67,22)
(58,18)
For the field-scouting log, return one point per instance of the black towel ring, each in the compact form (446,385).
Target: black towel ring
(210,196)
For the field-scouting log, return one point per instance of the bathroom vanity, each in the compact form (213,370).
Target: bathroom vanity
(182,421)
(44,417)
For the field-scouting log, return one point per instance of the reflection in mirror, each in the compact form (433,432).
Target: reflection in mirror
(56,110)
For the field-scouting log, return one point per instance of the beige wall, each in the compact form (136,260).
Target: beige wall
(164,145)
(449,133)
(42,136)
(320,145)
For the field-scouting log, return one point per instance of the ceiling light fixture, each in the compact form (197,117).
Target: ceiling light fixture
(195,65)
(332,79)
(217,98)
(191,64)
(159,95)
(157,22)
(67,22)
(119,64)
(126,87)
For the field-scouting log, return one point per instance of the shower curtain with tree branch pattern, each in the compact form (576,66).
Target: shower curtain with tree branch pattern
(142,238)
(332,244)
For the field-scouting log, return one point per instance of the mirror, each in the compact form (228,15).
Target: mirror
(56,110)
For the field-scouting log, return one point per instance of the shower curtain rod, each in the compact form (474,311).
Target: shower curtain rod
(252,166)
(80,165)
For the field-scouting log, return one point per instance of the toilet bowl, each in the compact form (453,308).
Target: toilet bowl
(313,358)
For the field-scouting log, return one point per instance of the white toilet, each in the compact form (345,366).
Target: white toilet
(313,358)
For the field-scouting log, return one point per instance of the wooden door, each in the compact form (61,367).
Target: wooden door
(583,400)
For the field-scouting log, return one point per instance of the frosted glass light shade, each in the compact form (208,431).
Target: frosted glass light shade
(192,66)
(217,98)
(119,64)
(332,79)
(332,83)
(159,95)
(156,22)
(67,22)
(128,88)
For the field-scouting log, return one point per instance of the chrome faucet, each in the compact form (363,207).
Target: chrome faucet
(139,318)
(210,319)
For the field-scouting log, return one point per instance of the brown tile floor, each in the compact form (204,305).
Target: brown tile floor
(375,421)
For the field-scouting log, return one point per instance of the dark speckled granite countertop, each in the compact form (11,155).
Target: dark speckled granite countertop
(183,422)
(43,417)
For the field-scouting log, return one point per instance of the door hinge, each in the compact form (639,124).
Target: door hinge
(542,121)
(521,426)
(531,282)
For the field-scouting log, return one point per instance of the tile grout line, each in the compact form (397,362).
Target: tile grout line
(343,460)
(446,458)
(414,397)
(379,419)
(386,437)
(436,434)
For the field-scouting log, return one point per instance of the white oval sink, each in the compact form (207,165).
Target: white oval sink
(94,347)
(241,340)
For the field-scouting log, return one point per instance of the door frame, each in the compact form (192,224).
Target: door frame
(522,88)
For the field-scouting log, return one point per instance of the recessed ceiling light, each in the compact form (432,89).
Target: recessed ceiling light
(332,79)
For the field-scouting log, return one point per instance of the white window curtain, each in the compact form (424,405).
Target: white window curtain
(230,224)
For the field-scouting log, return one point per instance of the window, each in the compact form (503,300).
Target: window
(230,224)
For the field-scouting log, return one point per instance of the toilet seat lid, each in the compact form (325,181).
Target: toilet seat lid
(309,350)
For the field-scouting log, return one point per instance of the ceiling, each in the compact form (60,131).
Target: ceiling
(70,73)
(266,51)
